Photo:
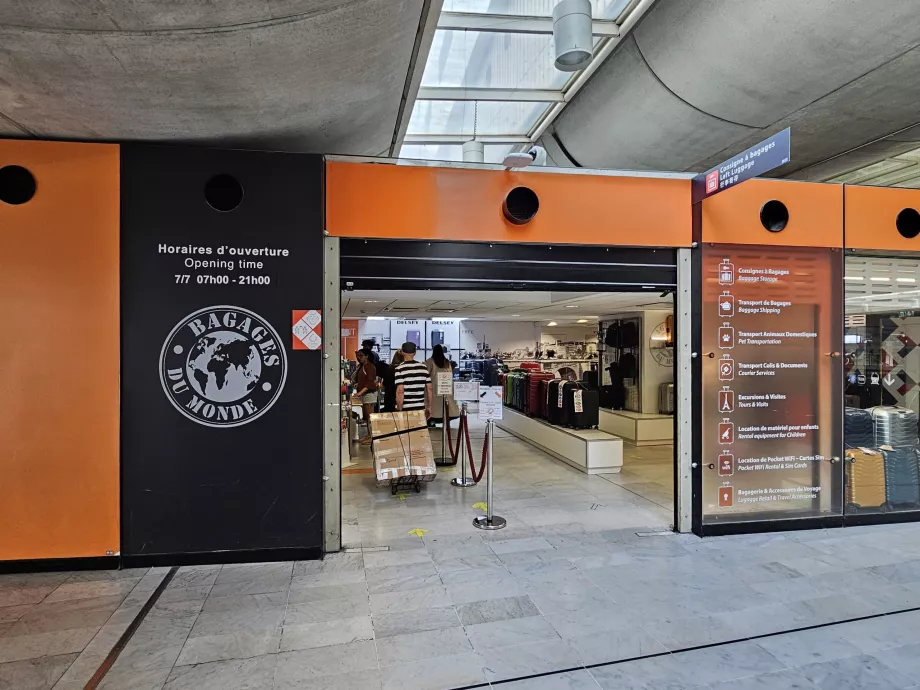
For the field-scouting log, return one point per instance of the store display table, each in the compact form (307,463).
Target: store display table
(590,450)
(640,429)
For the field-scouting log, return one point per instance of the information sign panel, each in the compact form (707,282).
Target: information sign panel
(444,383)
(771,446)
(490,402)
(466,391)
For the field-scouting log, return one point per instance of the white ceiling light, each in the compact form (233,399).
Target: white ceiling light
(515,315)
(371,301)
(582,321)
(880,279)
(853,278)
(552,323)
(906,280)
(571,306)
(572,34)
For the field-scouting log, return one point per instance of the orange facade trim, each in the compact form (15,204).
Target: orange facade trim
(872,216)
(59,283)
(815,214)
(460,204)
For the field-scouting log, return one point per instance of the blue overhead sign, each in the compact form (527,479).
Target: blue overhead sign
(757,160)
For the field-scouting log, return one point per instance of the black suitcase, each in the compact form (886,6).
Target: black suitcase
(590,380)
(902,478)
(858,428)
(518,391)
(554,412)
(580,406)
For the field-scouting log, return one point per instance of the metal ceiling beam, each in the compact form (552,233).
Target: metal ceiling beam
(449,93)
(438,139)
(503,23)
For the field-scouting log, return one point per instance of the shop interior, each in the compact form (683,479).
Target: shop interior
(615,348)
(882,375)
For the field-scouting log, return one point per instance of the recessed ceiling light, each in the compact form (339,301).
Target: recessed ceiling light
(515,315)
(853,278)
(881,279)
(571,306)
(906,280)
(552,323)
(582,321)
(371,301)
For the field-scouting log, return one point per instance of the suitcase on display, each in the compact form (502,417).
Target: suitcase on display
(531,366)
(581,409)
(590,379)
(609,398)
(631,398)
(858,428)
(519,391)
(894,426)
(902,477)
(865,475)
(490,373)
(543,395)
(666,398)
(553,410)
(532,408)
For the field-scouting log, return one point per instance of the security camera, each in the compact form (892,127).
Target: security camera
(535,156)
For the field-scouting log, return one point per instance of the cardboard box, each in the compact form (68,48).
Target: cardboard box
(404,455)
(386,423)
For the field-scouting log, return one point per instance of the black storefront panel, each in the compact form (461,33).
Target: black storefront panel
(221,415)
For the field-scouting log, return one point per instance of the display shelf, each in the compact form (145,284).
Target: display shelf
(639,428)
(589,450)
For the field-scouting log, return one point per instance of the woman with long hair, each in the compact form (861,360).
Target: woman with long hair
(388,382)
(366,389)
(438,362)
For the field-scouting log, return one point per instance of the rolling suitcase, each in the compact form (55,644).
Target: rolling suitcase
(581,406)
(543,395)
(532,408)
(865,474)
(590,379)
(531,366)
(553,408)
(858,428)
(666,398)
(902,477)
(894,426)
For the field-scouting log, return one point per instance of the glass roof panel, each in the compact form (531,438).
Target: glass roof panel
(482,59)
(494,153)
(461,117)
(602,9)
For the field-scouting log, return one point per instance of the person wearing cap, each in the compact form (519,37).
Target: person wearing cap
(413,383)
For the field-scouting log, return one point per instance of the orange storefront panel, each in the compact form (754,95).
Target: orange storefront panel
(814,214)
(59,284)
(872,218)
(461,204)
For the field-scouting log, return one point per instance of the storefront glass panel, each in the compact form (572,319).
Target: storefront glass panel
(771,384)
(881,378)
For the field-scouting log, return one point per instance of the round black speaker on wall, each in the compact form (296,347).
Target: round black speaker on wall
(223,192)
(774,215)
(520,205)
(908,223)
(17,185)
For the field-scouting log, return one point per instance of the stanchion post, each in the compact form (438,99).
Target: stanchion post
(445,454)
(489,521)
(462,481)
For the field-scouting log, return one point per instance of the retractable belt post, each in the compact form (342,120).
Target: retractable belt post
(489,521)
(462,481)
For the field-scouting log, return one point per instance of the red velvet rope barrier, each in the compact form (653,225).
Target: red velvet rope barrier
(485,450)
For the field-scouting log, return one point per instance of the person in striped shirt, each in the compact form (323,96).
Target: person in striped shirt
(413,383)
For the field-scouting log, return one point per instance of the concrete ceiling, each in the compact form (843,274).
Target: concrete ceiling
(699,80)
(300,75)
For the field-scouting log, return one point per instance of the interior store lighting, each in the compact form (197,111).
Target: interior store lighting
(881,279)
(552,323)
(582,321)
(906,280)
(853,278)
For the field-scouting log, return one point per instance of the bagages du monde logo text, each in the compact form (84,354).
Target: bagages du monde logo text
(223,366)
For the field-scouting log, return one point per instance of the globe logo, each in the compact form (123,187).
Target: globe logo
(223,366)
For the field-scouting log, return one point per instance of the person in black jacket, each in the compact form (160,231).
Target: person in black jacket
(388,382)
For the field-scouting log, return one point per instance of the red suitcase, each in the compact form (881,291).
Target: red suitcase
(531,366)
(534,396)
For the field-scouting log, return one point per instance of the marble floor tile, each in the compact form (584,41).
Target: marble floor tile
(294,668)
(65,615)
(44,644)
(434,674)
(569,596)
(26,594)
(149,679)
(321,611)
(615,645)
(573,680)
(313,635)
(302,595)
(242,644)
(196,576)
(258,585)
(239,674)
(905,659)
(394,602)
(241,620)
(353,680)
(491,610)
(505,663)
(510,633)
(809,646)
(34,674)
(241,572)
(648,674)
(728,662)
(857,672)
(91,590)
(416,647)
(419,620)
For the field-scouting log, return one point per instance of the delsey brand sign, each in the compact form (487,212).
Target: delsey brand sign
(757,160)
(223,366)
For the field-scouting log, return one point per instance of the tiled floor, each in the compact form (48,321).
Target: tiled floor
(568,585)
(647,471)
